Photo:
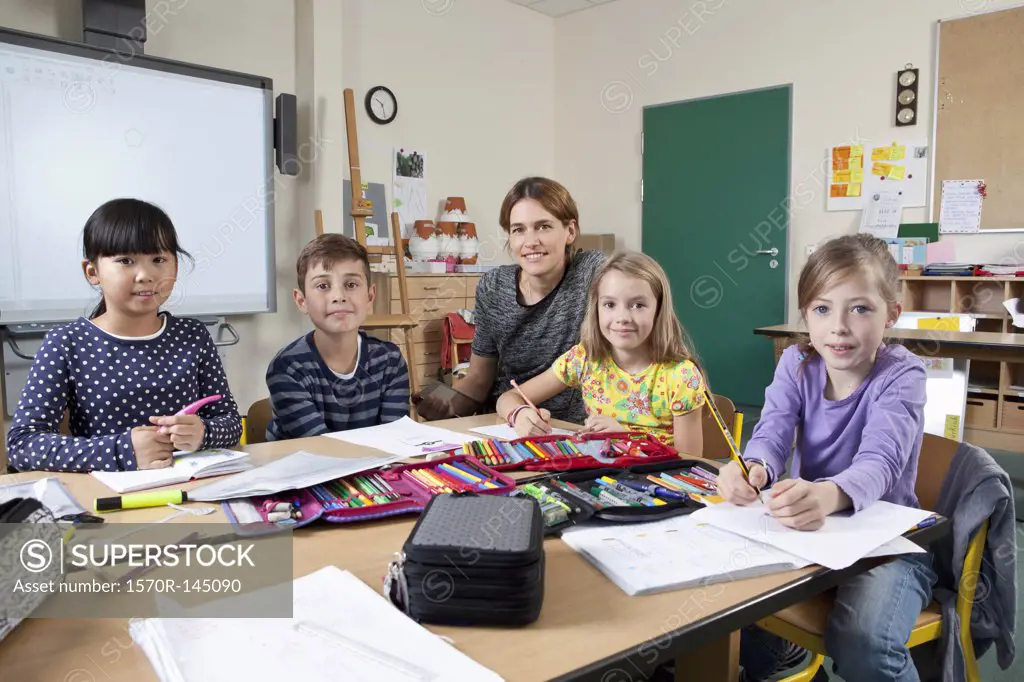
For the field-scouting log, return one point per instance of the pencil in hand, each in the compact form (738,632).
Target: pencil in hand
(536,409)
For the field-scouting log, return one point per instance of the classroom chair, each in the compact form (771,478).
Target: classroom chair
(256,421)
(715,445)
(804,623)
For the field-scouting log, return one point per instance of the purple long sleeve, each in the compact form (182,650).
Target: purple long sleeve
(868,443)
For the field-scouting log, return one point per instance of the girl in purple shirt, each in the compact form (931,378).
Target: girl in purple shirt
(854,409)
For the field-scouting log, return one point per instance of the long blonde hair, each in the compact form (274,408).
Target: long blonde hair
(668,339)
(836,261)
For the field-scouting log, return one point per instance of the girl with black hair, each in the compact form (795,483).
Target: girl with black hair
(124,373)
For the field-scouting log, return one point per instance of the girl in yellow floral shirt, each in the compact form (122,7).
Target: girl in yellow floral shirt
(633,365)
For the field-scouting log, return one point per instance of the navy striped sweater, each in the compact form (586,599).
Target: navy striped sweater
(309,399)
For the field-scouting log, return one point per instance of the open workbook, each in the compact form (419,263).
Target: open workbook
(186,467)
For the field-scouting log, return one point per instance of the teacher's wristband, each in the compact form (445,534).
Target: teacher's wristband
(515,413)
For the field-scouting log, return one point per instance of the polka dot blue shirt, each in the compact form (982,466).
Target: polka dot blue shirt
(110,385)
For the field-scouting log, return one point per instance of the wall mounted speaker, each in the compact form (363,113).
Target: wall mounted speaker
(286,150)
(115,24)
(906,96)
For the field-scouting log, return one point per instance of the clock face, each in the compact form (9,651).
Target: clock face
(906,97)
(381,104)
(905,115)
(907,78)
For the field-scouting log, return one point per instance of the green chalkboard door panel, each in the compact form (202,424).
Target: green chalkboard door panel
(715,187)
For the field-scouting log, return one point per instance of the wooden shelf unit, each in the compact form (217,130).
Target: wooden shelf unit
(995,410)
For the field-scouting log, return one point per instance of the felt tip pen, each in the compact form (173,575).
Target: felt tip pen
(930,521)
(198,405)
(160,498)
(653,490)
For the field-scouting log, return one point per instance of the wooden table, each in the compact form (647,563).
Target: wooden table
(588,629)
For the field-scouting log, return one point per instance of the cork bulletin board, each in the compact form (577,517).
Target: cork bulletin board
(979,112)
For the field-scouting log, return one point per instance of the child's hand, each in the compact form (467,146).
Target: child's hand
(803,505)
(153,450)
(186,431)
(531,423)
(601,423)
(734,488)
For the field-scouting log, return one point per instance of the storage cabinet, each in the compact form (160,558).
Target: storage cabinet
(431,298)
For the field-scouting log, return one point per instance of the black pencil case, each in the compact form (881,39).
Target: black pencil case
(582,511)
(471,560)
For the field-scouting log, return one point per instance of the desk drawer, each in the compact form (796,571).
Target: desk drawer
(426,373)
(981,413)
(440,289)
(428,331)
(426,353)
(1013,414)
(429,309)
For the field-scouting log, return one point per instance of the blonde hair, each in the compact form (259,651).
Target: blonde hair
(839,259)
(668,339)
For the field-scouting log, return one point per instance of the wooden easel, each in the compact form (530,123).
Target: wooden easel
(360,210)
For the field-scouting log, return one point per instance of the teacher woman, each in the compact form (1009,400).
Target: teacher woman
(529,313)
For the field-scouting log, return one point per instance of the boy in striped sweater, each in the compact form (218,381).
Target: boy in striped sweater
(336,377)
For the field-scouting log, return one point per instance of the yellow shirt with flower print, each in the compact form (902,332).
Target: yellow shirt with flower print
(647,401)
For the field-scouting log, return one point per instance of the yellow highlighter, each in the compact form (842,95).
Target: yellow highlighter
(160,498)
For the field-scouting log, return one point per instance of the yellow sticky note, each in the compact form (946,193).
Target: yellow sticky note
(853,190)
(881,169)
(856,150)
(896,172)
(857,175)
(880,154)
(897,152)
(841,176)
(944,323)
(952,430)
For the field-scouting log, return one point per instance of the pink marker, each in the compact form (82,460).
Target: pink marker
(198,405)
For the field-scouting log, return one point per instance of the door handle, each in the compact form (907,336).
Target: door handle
(773,252)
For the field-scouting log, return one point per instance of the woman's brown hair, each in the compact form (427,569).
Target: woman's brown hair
(841,258)
(553,196)
(668,340)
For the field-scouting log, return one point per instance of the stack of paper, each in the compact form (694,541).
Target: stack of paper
(404,437)
(298,470)
(844,539)
(187,466)
(724,542)
(340,629)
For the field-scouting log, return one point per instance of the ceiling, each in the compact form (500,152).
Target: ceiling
(559,8)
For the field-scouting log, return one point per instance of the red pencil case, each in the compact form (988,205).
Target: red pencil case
(561,453)
(409,487)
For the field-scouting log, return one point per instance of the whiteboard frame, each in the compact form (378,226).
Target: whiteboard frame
(263,83)
(935,126)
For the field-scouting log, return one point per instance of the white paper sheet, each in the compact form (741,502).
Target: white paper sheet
(960,210)
(1016,310)
(882,213)
(405,437)
(331,607)
(298,470)
(506,432)
(186,467)
(844,539)
(674,554)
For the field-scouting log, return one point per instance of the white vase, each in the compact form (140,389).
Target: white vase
(423,249)
(448,246)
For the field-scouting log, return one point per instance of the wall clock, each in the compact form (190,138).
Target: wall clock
(381,105)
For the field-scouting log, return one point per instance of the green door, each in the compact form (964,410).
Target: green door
(715,193)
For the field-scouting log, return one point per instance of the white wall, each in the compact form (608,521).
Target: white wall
(476,91)
(841,58)
(474,81)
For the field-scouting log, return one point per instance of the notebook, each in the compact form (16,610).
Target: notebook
(404,437)
(186,467)
(340,629)
(683,552)
(844,539)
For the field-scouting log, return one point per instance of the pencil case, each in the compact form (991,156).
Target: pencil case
(471,560)
(387,491)
(565,453)
(612,495)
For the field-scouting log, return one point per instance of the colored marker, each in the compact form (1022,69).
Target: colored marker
(160,498)
(198,405)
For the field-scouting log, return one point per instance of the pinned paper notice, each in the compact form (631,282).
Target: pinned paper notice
(881,216)
(960,209)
